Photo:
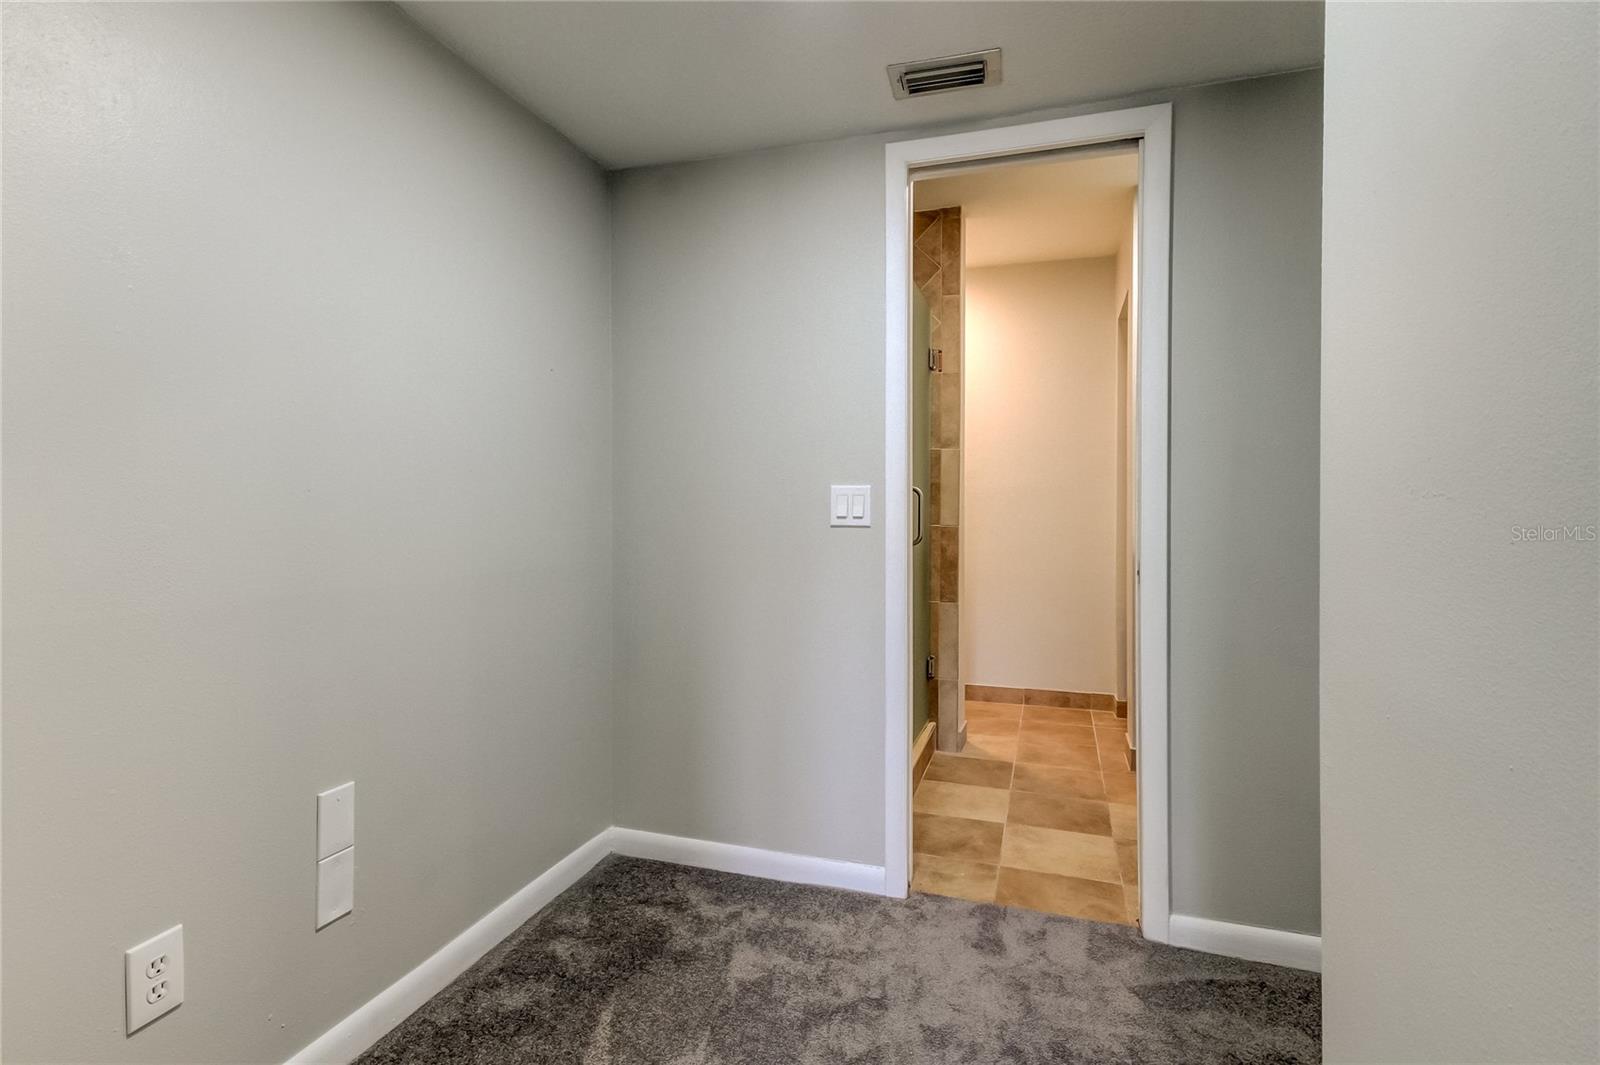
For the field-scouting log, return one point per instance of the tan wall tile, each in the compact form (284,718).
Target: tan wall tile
(945,560)
(989,693)
(951,338)
(949,714)
(936,253)
(949,660)
(950,259)
(948,386)
(948,509)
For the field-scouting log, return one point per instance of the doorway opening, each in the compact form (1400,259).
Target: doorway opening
(1020,273)
(1028,366)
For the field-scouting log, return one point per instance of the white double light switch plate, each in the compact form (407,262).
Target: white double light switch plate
(336,853)
(849,505)
(154,971)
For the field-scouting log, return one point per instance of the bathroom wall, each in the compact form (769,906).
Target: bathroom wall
(936,270)
(1039,543)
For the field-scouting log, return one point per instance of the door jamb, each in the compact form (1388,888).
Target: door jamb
(1152,126)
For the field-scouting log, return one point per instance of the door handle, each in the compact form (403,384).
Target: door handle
(916,493)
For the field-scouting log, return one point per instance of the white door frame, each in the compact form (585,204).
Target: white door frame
(1152,126)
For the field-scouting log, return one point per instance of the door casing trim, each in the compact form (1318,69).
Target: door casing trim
(1152,127)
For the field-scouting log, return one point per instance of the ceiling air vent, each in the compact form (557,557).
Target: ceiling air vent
(946,73)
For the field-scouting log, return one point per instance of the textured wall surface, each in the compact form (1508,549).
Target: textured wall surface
(1461,492)
(1246,277)
(1041,420)
(307,479)
(749,347)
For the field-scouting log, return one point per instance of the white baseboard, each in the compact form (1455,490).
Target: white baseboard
(1294,949)
(345,1041)
(751,861)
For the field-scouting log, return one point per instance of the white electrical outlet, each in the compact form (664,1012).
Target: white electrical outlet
(154,971)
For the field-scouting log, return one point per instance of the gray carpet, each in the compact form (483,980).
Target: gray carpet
(655,964)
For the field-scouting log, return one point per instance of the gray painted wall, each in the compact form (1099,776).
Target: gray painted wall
(748,324)
(1246,275)
(748,332)
(1461,661)
(307,432)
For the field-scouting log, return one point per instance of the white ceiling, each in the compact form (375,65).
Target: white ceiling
(634,83)
(1076,207)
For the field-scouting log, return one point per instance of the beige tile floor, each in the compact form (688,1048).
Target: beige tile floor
(1037,811)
